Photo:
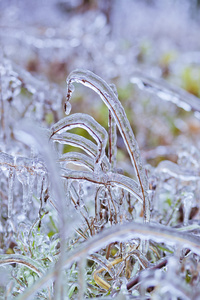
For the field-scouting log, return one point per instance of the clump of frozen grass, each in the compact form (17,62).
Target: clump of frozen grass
(82,223)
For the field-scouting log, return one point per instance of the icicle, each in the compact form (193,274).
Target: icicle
(112,147)
(39,185)
(23,166)
(188,202)
(106,93)
(68,108)
(25,197)
(88,123)
(167,92)
(11,178)
(31,182)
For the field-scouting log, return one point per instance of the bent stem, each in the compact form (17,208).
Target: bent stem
(108,96)
(22,260)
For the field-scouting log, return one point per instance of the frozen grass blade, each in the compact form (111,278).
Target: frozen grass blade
(81,142)
(109,97)
(88,123)
(22,260)
(77,159)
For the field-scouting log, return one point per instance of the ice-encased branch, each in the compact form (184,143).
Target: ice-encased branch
(109,97)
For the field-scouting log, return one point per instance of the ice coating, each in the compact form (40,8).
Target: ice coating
(108,179)
(166,92)
(49,53)
(88,123)
(108,96)
(77,141)
(81,142)
(78,159)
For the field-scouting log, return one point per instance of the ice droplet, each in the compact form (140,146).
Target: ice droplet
(68,108)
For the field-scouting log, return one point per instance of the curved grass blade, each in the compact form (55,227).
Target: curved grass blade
(109,97)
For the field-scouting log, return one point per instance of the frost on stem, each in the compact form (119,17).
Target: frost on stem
(109,97)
